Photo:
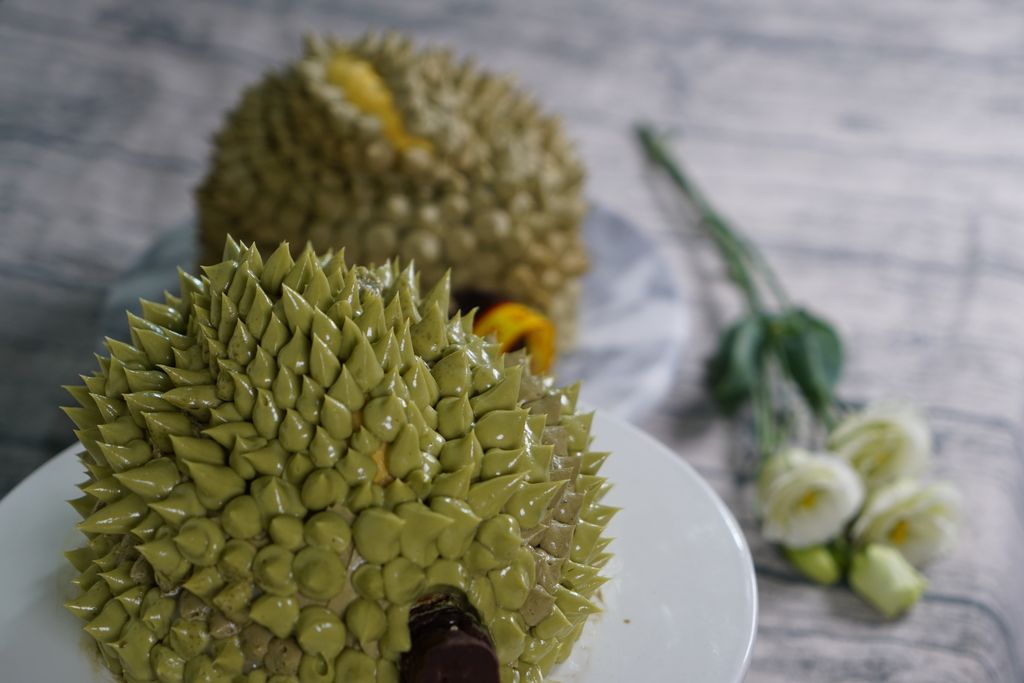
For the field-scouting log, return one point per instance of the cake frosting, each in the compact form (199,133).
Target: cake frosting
(292,459)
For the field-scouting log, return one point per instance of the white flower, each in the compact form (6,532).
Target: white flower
(886,441)
(921,520)
(807,499)
(883,577)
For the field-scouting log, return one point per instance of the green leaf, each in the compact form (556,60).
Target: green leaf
(735,369)
(812,353)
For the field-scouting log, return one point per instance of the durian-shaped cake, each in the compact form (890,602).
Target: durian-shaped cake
(300,470)
(390,150)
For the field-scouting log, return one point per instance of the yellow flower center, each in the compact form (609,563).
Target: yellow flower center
(899,532)
(809,500)
(365,89)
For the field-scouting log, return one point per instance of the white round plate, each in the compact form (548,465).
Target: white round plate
(682,605)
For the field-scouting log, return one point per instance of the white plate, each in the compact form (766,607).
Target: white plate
(682,605)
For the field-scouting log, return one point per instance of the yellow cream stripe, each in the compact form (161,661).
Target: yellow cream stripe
(365,89)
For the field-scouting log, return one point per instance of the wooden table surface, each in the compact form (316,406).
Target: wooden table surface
(874,149)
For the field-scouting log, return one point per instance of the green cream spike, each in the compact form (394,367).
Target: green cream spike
(121,431)
(148,380)
(398,492)
(200,541)
(275,496)
(129,456)
(463,452)
(193,397)
(304,455)
(377,535)
(366,621)
(583,579)
(90,602)
(389,354)
(453,484)
(347,391)
(509,638)
(363,364)
(116,518)
(295,354)
(118,579)
(403,453)
(181,504)
(106,490)
(106,626)
(286,531)
(297,310)
(187,378)
(88,578)
(371,321)
(512,584)
(502,429)
(190,449)
(84,418)
(488,497)
(574,606)
(276,335)
(403,581)
(147,528)
(499,461)
(419,535)
(227,434)
(429,335)
(285,388)
(327,331)
(215,485)
(310,399)
(204,582)
(368,581)
(329,530)
(501,396)
(165,558)
(295,433)
(80,558)
(298,468)
(502,536)
(320,632)
(266,416)
(324,366)
(109,409)
(454,417)
(529,504)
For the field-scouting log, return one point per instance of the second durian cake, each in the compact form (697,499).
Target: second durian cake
(393,150)
(302,471)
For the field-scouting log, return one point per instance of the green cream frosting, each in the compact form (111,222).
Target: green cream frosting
(285,459)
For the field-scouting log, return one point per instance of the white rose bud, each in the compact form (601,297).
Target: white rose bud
(883,577)
(807,499)
(921,520)
(886,441)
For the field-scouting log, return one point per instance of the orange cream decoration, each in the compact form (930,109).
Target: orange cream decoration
(516,326)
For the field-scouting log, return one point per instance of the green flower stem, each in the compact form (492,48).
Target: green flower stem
(739,254)
(750,271)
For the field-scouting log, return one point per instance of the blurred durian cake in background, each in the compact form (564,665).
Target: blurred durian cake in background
(391,150)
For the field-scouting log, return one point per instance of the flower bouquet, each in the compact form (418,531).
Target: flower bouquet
(848,500)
